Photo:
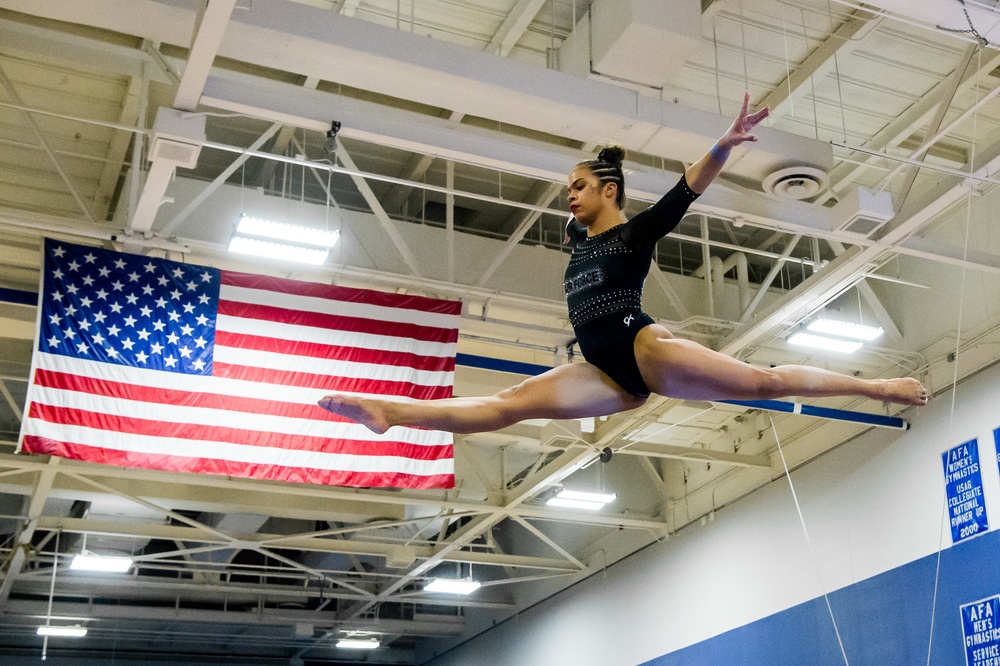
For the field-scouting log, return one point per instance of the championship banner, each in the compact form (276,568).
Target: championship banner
(145,362)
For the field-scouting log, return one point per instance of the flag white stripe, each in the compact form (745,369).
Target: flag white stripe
(208,416)
(334,307)
(173,381)
(322,366)
(297,333)
(259,455)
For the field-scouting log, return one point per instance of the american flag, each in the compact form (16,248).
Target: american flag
(146,362)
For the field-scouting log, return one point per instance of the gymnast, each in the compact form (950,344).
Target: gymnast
(628,355)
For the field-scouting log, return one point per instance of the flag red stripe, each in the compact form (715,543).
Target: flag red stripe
(329,382)
(337,322)
(136,426)
(334,352)
(42,445)
(331,292)
(139,393)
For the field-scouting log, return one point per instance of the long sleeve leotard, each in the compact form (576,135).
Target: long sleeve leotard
(604,281)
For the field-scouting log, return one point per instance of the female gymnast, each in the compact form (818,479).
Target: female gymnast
(628,355)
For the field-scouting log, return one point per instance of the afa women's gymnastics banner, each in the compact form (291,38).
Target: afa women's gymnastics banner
(145,362)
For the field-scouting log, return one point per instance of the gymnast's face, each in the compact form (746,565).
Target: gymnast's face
(587,198)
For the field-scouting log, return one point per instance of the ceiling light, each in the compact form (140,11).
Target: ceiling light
(358,643)
(845,329)
(297,253)
(823,342)
(577,499)
(288,242)
(452,586)
(293,233)
(101,563)
(75,631)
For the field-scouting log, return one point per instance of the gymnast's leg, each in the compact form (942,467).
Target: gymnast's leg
(571,391)
(684,369)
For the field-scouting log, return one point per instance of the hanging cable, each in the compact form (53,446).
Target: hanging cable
(958,344)
(812,552)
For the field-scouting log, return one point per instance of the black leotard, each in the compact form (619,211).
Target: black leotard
(604,285)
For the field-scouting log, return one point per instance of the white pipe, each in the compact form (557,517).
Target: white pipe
(719,268)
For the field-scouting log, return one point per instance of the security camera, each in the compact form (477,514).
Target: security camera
(331,137)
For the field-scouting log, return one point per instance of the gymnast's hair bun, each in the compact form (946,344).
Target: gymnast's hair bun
(613,155)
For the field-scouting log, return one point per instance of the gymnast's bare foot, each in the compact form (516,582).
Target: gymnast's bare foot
(904,390)
(369,413)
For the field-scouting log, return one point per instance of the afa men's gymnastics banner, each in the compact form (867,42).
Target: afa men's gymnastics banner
(145,362)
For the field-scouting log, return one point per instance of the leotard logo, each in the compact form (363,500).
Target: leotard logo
(628,320)
(592,277)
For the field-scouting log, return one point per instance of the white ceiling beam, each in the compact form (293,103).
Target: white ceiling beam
(350,7)
(845,39)
(883,316)
(22,541)
(518,19)
(212,21)
(387,224)
(12,93)
(118,148)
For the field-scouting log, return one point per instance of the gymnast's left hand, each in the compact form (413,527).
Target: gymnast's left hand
(740,131)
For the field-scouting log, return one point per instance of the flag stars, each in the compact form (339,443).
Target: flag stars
(188,308)
(89,257)
(116,307)
(117,285)
(133,277)
(204,299)
(70,310)
(170,361)
(143,334)
(200,342)
(58,251)
(192,285)
(130,321)
(57,274)
(69,333)
(202,320)
(101,294)
(206,277)
(147,290)
(104,271)
(53,341)
(173,339)
(73,266)
(185,352)
(85,302)
(158,325)
(98,338)
(88,281)
(82,348)
(72,289)
(174,316)
(127,343)
(178,273)
(175,295)
(114,330)
(55,319)
(100,317)
(198,365)
(141,357)
(57,296)
(160,302)
(120,264)
(111,352)
(132,299)
(85,325)
(156,348)
(163,281)
(150,267)
(186,330)
(144,311)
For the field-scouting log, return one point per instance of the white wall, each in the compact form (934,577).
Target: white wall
(871,505)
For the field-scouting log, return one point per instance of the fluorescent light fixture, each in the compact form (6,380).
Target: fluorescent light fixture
(822,342)
(845,329)
(259,248)
(576,499)
(452,586)
(252,226)
(358,643)
(70,632)
(101,563)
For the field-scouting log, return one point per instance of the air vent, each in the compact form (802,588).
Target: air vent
(796,183)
